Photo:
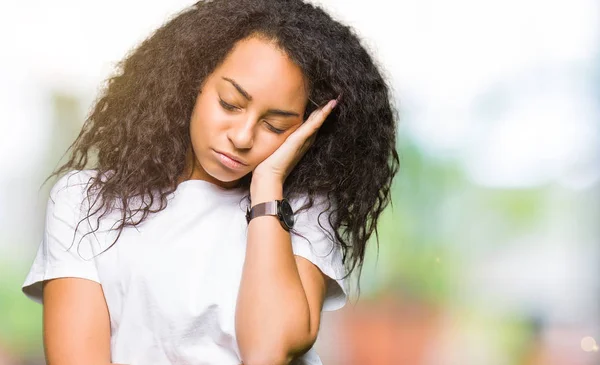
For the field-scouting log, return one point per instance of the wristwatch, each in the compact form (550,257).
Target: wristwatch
(279,208)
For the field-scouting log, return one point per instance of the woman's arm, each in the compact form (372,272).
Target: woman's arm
(281,295)
(76,323)
(280,298)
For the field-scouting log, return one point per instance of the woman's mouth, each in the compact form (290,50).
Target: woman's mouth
(229,162)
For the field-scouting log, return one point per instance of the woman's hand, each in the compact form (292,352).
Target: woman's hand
(278,166)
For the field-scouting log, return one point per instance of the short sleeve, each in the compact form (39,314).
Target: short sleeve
(317,244)
(62,253)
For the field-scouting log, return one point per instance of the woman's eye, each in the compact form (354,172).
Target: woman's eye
(273,129)
(227,106)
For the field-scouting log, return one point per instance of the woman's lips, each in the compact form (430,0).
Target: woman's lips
(229,162)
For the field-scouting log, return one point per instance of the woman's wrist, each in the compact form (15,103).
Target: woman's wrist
(264,190)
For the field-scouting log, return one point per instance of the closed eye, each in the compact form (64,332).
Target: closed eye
(273,129)
(228,106)
(225,105)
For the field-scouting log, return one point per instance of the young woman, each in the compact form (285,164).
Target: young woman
(221,190)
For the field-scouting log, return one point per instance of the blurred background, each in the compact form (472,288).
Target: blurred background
(489,255)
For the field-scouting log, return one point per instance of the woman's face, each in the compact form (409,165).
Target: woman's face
(246,109)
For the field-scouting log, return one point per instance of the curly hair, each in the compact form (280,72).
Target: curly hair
(137,132)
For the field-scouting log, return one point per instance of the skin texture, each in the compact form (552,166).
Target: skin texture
(272,81)
(76,323)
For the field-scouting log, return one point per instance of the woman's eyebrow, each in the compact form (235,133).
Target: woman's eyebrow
(245,94)
(239,88)
(282,113)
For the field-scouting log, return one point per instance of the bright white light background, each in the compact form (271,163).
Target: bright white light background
(441,56)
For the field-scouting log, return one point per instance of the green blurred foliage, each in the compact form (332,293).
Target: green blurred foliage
(20,318)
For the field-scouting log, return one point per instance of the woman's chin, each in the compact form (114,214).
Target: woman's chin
(224,177)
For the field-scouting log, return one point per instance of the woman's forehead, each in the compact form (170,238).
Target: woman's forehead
(264,71)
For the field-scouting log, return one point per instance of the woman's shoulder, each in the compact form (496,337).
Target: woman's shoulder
(303,201)
(73,185)
(312,211)
(72,180)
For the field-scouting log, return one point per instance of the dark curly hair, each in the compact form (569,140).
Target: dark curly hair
(137,133)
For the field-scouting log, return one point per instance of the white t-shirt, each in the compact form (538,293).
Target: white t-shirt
(171,283)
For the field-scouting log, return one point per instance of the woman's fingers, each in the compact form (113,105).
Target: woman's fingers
(318,116)
(316,119)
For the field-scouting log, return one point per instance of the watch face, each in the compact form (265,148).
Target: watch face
(286,213)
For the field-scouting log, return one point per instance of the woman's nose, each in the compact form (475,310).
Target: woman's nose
(241,133)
